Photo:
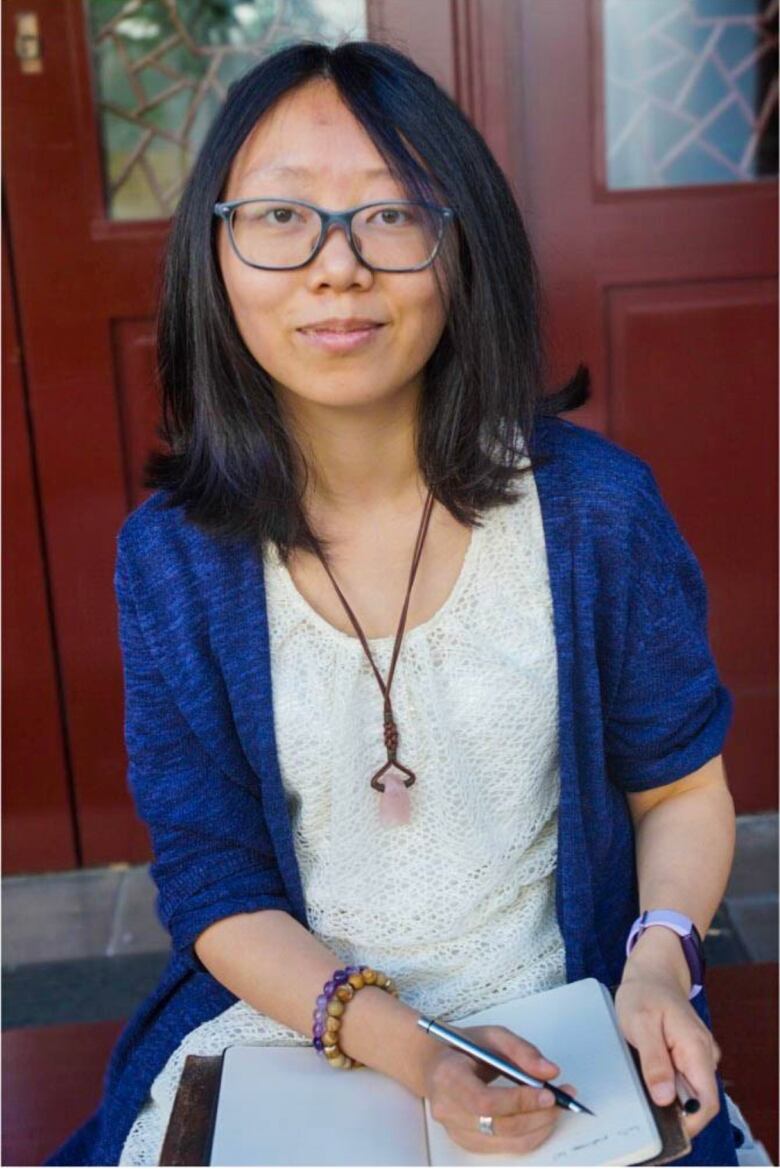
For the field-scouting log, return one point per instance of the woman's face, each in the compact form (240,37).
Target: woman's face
(311,128)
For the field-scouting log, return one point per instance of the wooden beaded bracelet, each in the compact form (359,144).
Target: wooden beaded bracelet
(331,1004)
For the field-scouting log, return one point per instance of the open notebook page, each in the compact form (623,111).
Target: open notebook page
(285,1106)
(575,1026)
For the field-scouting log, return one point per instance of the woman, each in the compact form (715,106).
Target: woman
(479,799)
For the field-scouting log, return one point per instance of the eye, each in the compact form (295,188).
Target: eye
(280,215)
(394,213)
(276,212)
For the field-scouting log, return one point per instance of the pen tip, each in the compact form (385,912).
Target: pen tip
(574,1105)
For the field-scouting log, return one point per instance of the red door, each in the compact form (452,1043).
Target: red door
(652,209)
(136,87)
(643,149)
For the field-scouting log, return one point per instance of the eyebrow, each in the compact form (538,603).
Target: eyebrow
(304,172)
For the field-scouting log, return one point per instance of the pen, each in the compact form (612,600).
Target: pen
(688,1101)
(491,1060)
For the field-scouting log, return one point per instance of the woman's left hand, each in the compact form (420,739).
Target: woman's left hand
(657,1019)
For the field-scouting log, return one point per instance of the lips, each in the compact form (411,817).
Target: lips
(353,325)
(341,340)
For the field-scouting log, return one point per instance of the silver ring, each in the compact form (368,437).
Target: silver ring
(486,1126)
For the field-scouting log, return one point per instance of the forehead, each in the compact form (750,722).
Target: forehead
(287,142)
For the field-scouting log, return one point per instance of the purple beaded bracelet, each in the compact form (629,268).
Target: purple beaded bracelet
(330,1005)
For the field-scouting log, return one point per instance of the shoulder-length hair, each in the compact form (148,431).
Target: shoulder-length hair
(230,462)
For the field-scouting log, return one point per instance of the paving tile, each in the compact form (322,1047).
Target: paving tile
(755,861)
(57,916)
(79,991)
(136,927)
(755,920)
(723,945)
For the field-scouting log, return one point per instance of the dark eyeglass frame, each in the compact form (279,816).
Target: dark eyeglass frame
(342,219)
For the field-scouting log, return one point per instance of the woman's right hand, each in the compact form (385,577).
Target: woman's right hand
(457,1089)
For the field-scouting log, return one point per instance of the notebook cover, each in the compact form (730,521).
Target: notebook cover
(191,1124)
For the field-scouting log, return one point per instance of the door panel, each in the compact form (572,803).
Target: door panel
(38,825)
(711,439)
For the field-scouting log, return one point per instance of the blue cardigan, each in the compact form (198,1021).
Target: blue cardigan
(640,704)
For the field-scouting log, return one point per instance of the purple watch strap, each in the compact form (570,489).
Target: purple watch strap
(687,933)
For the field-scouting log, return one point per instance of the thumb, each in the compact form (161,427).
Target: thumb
(657,1066)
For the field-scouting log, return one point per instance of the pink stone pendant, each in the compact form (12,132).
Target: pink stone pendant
(395,807)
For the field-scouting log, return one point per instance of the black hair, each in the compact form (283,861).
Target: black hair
(229,461)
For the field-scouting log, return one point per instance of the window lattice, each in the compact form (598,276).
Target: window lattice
(691,91)
(162,69)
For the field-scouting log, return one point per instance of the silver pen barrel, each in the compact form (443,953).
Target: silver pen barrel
(445,1035)
(495,1061)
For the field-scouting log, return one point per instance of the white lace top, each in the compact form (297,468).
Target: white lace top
(458,906)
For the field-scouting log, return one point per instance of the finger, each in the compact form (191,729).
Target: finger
(695,1061)
(655,1060)
(520,1101)
(467,1098)
(462,1093)
(696,1055)
(526,1124)
(695,1122)
(476,1099)
(505,1101)
(512,1134)
(544,1118)
(540,1119)
(501,1142)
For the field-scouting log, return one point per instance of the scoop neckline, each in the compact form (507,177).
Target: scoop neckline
(467,570)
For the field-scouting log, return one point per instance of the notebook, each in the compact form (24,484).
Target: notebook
(286,1106)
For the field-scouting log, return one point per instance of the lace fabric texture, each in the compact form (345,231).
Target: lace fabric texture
(458,906)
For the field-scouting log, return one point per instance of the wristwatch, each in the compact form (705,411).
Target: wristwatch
(687,933)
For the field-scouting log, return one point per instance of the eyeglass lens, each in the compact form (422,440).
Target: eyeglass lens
(283,234)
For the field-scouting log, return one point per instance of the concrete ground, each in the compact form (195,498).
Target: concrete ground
(87,946)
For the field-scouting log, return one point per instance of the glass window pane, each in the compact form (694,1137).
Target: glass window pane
(162,68)
(690,91)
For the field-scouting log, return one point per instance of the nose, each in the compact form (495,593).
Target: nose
(340,252)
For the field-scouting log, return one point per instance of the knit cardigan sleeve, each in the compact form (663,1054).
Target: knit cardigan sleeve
(669,711)
(213,855)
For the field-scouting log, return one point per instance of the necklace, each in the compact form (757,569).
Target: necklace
(393,779)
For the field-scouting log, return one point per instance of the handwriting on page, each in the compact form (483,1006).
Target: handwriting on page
(594,1141)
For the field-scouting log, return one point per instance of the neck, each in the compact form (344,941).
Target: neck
(360,458)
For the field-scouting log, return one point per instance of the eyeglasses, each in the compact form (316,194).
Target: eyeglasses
(280,234)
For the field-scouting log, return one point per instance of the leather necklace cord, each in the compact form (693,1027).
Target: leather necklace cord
(399,813)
